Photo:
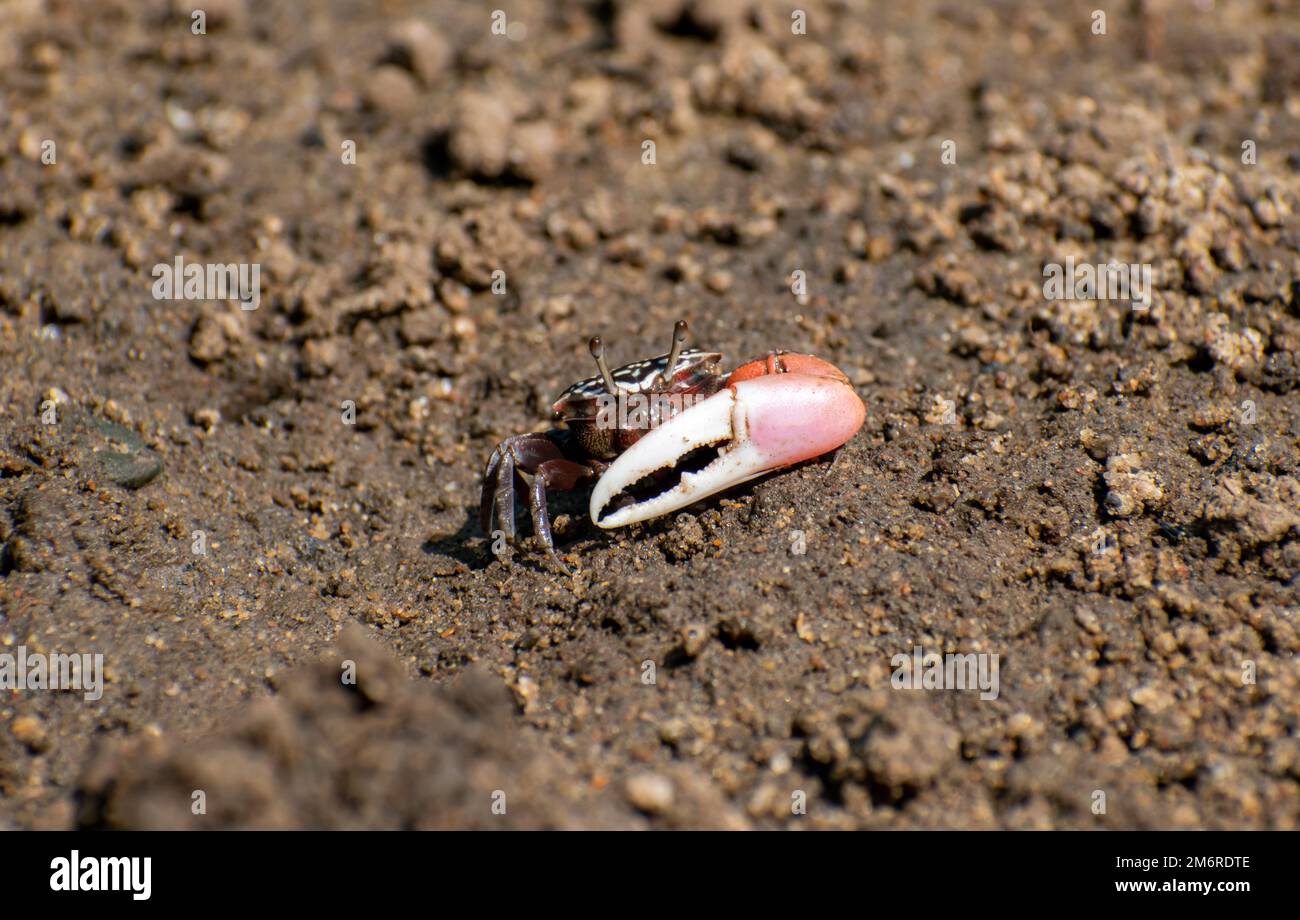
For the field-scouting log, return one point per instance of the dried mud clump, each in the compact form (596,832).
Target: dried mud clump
(487,142)
(1130,488)
(752,79)
(885,745)
(398,754)
(1255,513)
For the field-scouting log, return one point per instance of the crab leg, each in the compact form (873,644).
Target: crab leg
(487,500)
(773,413)
(523,454)
(556,474)
(505,495)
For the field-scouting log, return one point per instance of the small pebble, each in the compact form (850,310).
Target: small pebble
(30,731)
(650,793)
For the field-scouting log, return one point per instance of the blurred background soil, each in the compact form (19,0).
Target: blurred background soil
(1109,500)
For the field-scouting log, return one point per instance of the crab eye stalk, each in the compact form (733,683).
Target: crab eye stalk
(675,351)
(598,352)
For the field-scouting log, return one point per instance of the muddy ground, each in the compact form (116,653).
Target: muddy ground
(1106,498)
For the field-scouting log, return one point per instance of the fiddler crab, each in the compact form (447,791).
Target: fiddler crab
(662,434)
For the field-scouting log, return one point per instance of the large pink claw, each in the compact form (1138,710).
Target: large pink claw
(774,413)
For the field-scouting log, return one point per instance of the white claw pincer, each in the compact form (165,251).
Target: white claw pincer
(773,413)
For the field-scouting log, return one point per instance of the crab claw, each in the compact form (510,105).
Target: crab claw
(768,419)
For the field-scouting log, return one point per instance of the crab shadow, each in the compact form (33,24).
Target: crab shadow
(465,545)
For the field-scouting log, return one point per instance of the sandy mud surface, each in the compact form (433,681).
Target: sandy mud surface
(235,506)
